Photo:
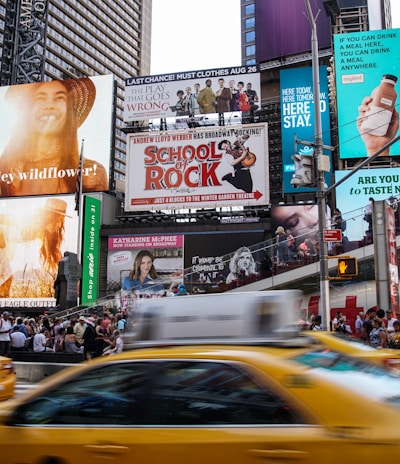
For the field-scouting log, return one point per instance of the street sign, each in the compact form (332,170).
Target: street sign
(332,235)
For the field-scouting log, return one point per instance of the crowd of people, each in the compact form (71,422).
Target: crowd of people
(376,327)
(92,336)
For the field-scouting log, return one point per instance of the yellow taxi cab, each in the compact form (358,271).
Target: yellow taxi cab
(386,357)
(7,378)
(239,403)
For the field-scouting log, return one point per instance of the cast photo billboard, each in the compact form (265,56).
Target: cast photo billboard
(35,232)
(42,129)
(297,117)
(189,93)
(197,168)
(367,68)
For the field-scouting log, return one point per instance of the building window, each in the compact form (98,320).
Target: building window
(251,62)
(249,9)
(250,50)
(250,22)
(250,36)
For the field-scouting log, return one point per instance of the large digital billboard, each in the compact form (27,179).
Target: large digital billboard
(283,28)
(45,127)
(192,93)
(126,253)
(297,117)
(205,260)
(35,232)
(367,67)
(197,168)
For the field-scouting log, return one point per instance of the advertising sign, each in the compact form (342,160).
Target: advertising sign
(192,93)
(300,221)
(213,259)
(90,250)
(196,259)
(197,168)
(367,67)
(42,127)
(35,233)
(353,195)
(297,117)
(129,254)
(393,271)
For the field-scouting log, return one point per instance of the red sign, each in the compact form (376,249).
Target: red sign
(332,235)
(197,168)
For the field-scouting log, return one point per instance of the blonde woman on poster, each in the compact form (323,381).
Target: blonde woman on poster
(34,247)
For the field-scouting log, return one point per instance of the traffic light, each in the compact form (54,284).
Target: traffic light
(347,267)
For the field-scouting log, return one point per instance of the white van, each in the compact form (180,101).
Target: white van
(267,315)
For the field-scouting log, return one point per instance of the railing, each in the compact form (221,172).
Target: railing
(266,262)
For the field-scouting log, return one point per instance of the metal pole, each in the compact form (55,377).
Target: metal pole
(321,185)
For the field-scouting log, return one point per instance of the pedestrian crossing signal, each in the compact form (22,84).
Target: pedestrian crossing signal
(347,267)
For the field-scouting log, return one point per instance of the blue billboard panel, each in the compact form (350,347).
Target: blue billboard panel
(367,68)
(352,196)
(297,116)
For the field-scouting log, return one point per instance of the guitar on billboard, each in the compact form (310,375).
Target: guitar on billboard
(250,157)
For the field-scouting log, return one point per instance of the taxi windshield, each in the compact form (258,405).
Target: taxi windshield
(352,373)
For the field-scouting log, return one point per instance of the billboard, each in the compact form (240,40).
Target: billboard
(301,221)
(124,252)
(35,232)
(352,196)
(42,129)
(391,253)
(197,168)
(204,259)
(213,259)
(90,250)
(297,117)
(192,93)
(283,28)
(367,115)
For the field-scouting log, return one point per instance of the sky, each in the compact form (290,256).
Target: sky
(189,35)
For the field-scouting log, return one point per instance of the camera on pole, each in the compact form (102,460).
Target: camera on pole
(304,175)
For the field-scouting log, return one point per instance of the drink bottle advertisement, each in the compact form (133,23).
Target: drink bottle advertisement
(367,69)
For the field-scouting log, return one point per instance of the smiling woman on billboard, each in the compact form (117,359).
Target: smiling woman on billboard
(42,153)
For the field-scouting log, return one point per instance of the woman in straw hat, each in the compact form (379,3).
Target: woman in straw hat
(42,155)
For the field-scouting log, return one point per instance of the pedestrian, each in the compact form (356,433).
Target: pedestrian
(5,330)
(18,339)
(378,336)
(89,338)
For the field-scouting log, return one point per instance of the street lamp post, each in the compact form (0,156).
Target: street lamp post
(321,185)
